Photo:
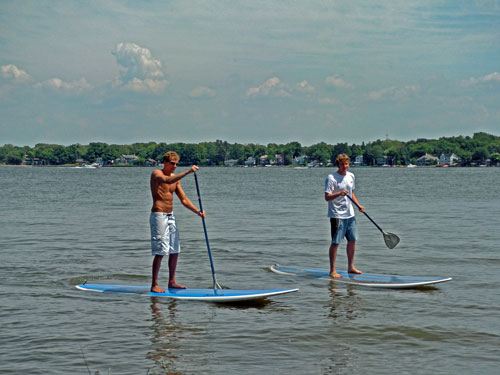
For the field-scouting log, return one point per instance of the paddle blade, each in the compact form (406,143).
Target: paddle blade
(391,240)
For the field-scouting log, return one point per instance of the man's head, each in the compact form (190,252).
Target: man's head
(342,159)
(171,157)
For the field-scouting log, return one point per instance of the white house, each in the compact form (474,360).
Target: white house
(128,159)
(358,160)
(300,160)
(427,159)
(250,162)
(449,159)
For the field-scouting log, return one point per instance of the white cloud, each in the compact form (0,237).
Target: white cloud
(304,86)
(394,93)
(13,73)
(57,84)
(202,92)
(336,81)
(141,73)
(492,77)
(272,87)
(327,101)
(145,85)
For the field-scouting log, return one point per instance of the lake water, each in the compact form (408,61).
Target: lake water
(61,226)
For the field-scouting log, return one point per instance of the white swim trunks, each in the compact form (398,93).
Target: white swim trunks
(164,235)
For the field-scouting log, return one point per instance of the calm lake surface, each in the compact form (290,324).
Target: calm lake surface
(61,226)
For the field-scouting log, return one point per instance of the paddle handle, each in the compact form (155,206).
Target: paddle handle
(216,284)
(357,205)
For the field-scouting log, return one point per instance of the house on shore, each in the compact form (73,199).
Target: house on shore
(231,162)
(151,163)
(128,159)
(427,159)
(358,160)
(279,159)
(300,160)
(250,162)
(448,159)
(32,161)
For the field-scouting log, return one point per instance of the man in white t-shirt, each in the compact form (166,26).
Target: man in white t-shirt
(341,213)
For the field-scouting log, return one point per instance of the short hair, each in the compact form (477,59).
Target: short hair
(341,158)
(169,156)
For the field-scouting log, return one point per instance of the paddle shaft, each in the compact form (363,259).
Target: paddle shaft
(216,284)
(357,205)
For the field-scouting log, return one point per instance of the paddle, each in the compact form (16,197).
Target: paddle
(390,239)
(216,284)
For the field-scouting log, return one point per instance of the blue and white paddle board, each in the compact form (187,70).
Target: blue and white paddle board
(373,280)
(210,295)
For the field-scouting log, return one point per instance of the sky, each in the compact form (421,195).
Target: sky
(254,71)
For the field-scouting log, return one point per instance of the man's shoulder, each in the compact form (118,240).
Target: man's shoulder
(159,172)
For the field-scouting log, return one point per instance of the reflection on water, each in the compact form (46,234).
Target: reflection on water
(344,303)
(343,308)
(165,338)
(83,220)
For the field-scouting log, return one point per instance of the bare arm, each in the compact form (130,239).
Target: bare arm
(343,193)
(161,177)
(360,207)
(186,202)
(332,196)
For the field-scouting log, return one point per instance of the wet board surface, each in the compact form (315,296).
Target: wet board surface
(209,295)
(373,280)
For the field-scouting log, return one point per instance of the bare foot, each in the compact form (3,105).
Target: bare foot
(335,275)
(355,270)
(174,285)
(157,289)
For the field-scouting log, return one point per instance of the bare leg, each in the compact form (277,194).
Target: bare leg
(156,269)
(333,256)
(351,247)
(172,266)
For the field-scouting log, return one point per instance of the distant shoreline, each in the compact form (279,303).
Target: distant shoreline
(260,166)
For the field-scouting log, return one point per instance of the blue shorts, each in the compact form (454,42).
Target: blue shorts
(164,234)
(341,228)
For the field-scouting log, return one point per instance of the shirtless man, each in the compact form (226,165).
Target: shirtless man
(164,236)
(341,213)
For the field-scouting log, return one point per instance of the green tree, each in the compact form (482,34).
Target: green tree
(465,157)
(372,154)
(222,149)
(340,148)
(420,149)
(293,149)
(320,152)
(95,150)
(480,155)
(190,154)
(495,158)
(14,158)
(237,151)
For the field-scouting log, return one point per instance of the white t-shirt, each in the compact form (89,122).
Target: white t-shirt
(341,207)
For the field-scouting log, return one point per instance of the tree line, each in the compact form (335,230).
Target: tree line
(470,150)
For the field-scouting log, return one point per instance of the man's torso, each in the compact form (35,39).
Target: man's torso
(162,194)
(341,207)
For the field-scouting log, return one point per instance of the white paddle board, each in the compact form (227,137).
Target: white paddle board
(210,295)
(373,280)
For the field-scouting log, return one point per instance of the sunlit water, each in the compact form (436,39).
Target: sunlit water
(61,226)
